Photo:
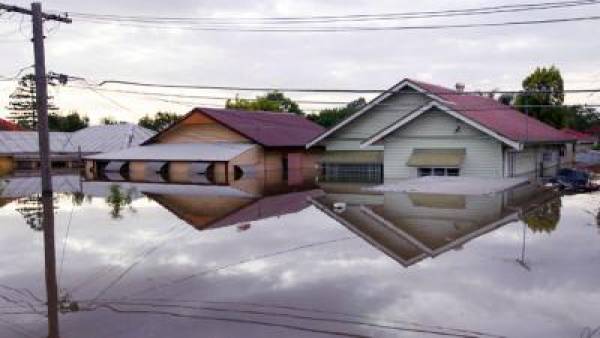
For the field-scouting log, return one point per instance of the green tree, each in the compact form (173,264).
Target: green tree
(32,210)
(543,95)
(67,123)
(22,104)
(109,120)
(506,99)
(273,101)
(118,199)
(581,117)
(544,218)
(331,116)
(160,120)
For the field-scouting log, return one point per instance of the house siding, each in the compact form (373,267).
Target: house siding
(435,129)
(349,137)
(198,128)
(530,161)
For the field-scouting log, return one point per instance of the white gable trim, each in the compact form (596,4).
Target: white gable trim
(402,84)
(402,122)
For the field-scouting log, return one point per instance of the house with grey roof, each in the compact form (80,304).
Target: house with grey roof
(419,129)
(20,149)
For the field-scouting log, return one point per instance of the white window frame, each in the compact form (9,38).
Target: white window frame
(432,171)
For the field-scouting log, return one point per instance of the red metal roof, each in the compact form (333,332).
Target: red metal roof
(9,126)
(271,129)
(594,130)
(496,116)
(580,136)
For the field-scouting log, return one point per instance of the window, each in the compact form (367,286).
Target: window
(547,156)
(453,172)
(424,171)
(438,172)
(352,172)
(562,151)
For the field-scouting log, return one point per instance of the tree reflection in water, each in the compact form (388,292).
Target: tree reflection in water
(32,210)
(118,199)
(544,218)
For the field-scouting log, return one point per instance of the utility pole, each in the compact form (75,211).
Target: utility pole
(41,84)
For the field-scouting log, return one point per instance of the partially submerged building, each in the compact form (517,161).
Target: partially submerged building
(19,150)
(215,146)
(584,141)
(6,125)
(419,129)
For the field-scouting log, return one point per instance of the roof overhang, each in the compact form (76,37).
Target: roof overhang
(406,83)
(177,152)
(434,104)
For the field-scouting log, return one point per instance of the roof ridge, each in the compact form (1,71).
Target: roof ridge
(225,110)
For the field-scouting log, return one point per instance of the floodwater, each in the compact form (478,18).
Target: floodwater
(292,256)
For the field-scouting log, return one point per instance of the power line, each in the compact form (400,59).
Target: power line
(329,90)
(339,29)
(300,101)
(340,18)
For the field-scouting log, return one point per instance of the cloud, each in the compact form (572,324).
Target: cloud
(482,58)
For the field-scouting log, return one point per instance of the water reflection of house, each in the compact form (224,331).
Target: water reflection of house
(412,226)
(218,144)
(227,206)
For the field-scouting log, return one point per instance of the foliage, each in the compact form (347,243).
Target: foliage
(23,105)
(117,200)
(581,117)
(67,123)
(331,116)
(109,120)
(77,198)
(160,121)
(274,101)
(506,99)
(545,218)
(543,87)
(32,210)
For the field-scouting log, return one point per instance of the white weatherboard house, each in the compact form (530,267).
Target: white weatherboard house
(418,129)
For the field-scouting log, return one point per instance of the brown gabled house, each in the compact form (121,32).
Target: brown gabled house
(215,146)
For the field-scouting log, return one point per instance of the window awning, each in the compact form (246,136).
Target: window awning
(436,158)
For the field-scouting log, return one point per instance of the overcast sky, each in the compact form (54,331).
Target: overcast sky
(483,58)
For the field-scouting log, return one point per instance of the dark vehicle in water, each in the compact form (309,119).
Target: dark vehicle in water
(574,180)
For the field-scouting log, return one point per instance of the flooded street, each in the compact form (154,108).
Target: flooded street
(299,257)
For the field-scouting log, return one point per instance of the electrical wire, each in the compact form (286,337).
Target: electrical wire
(328,90)
(342,29)
(341,18)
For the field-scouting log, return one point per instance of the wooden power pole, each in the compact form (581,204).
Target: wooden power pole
(41,85)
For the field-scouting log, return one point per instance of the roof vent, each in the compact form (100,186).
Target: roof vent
(460,87)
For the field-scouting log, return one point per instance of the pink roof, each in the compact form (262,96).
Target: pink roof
(496,116)
(580,136)
(9,126)
(271,129)
(594,130)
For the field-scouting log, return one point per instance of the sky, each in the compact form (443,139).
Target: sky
(482,58)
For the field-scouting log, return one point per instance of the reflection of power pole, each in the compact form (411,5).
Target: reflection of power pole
(41,84)
(521,260)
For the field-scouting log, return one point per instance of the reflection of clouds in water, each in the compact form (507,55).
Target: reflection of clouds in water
(479,287)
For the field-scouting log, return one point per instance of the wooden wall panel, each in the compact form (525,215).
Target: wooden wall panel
(179,172)
(137,171)
(7,165)
(200,128)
